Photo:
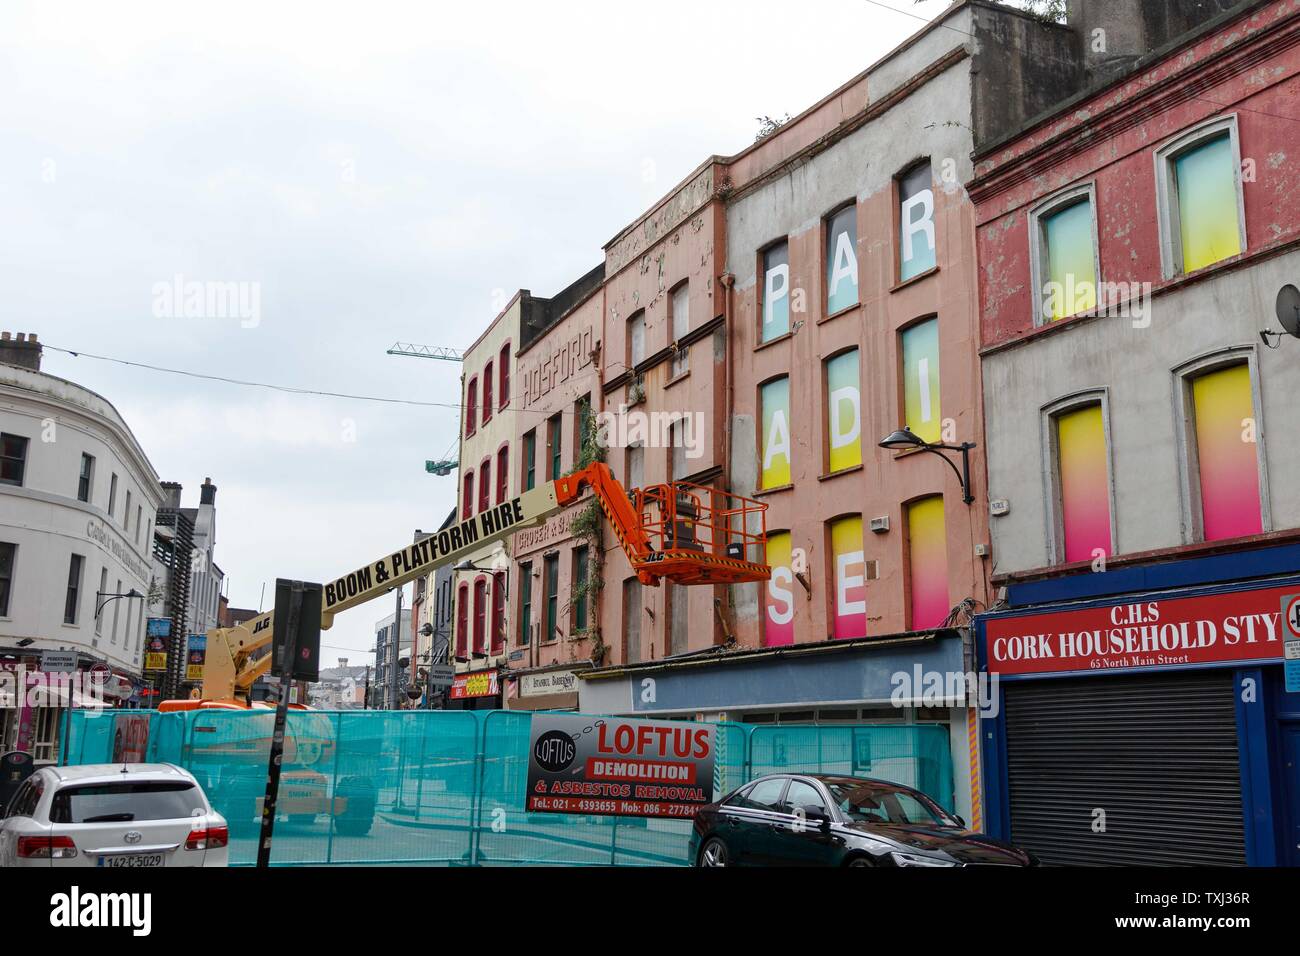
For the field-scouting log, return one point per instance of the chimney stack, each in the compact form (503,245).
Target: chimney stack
(22,350)
(172,491)
(208,493)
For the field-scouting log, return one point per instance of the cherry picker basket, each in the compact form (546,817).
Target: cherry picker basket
(701,535)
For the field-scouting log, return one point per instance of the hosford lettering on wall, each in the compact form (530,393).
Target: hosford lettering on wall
(1204,629)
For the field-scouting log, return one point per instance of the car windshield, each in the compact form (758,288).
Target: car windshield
(126,802)
(879,803)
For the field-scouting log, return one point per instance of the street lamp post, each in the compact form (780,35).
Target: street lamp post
(905,438)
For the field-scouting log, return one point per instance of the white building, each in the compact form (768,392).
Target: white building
(78,499)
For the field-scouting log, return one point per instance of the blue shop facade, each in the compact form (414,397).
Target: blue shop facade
(1147,714)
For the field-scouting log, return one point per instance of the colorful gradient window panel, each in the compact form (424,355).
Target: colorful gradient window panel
(1208,219)
(843,412)
(775,446)
(1070,283)
(1084,483)
(915,223)
(778,598)
(776,293)
(921,379)
(928,544)
(1229,463)
(849,579)
(842,260)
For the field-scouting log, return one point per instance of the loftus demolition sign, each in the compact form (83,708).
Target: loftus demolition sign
(418,559)
(608,766)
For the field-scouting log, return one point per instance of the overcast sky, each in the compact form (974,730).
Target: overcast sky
(382,172)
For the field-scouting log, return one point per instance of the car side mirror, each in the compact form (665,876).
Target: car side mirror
(960,822)
(818,816)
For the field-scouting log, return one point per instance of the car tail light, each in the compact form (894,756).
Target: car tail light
(46,847)
(209,838)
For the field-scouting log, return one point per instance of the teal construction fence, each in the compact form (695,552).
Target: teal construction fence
(448,787)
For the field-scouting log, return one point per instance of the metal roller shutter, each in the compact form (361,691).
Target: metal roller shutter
(1157,753)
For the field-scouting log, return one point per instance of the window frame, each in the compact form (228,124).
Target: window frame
(529,462)
(1168,220)
(524,635)
(22,460)
(485,486)
(632,320)
(826,412)
(761,450)
(1043,210)
(73,592)
(462,621)
(1189,465)
(579,604)
(1054,507)
(503,376)
(471,406)
(681,361)
(760,291)
(86,477)
(896,279)
(6,596)
(503,473)
(555,446)
(900,368)
(827,254)
(550,599)
(489,393)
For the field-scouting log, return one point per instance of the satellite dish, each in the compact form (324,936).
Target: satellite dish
(1288,309)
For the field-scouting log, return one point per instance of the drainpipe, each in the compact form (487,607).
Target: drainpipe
(728,281)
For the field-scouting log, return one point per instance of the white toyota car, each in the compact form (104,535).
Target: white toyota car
(114,815)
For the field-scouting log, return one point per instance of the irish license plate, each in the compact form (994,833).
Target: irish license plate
(132,859)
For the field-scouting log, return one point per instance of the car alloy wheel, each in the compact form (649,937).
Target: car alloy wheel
(859,861)
(714,853)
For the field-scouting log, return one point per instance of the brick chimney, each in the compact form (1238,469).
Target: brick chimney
(22,350)
(172,491)
(208,493)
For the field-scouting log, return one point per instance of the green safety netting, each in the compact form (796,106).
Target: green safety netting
(448,787)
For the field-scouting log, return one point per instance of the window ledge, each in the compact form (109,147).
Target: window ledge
(904,283)
(840,312)
(783,337)
(788,486)
(843,471)
(677,378)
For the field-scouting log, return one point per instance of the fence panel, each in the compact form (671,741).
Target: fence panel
(915,755)
(450,787)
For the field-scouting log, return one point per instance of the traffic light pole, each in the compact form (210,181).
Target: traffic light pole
(281,717)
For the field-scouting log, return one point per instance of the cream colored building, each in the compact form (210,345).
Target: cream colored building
(488,475)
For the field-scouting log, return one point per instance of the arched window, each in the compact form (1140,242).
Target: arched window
(487,393)
(503,369)
(480,615)
(468,498)
(485,485)
(462,622)
(498,612)
(471,406)
(503,473)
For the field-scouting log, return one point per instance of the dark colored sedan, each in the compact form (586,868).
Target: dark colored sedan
(825,820)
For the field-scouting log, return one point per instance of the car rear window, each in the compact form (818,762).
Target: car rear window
(125,802)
